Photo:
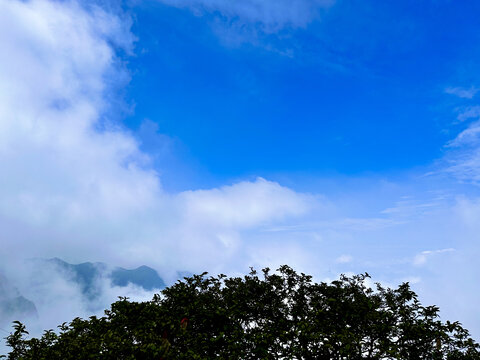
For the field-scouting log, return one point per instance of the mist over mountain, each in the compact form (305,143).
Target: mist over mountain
(13,306)
(143,276)
(86,275)
(38,294)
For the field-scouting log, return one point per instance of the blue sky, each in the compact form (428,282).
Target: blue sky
(359,90)
(214,135)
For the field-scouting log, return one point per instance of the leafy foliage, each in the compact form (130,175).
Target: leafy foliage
(280,315)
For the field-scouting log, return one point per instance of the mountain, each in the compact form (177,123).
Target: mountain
(86,274)
(89,276)
(13,306)
(142,276)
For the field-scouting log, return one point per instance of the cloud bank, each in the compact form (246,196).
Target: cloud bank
(75,180)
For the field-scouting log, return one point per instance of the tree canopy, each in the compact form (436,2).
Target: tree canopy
(281,315)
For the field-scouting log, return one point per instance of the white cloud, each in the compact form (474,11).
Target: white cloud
(467,137)
(470,112)
(421,259)
(253,21)
(74,182)
(52,94)
(463,156)
(461,92)
(230,206)
(463,159)
(343,259)
(270,15)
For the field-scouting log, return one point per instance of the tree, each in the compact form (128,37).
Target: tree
(280,315)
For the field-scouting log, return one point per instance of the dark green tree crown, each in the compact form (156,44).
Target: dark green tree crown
(281,315)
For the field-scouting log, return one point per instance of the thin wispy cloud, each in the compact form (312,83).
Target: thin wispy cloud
(248,21)
(421,258)
(270,16)
(470,112)
(464,93)
(343,259)
(463,155)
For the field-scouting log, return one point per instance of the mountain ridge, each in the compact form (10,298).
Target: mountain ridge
(86,273)
(89,276)
(14,306)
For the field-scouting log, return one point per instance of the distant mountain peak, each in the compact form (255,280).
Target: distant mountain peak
(143,276)
(85,274)
(13,306)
